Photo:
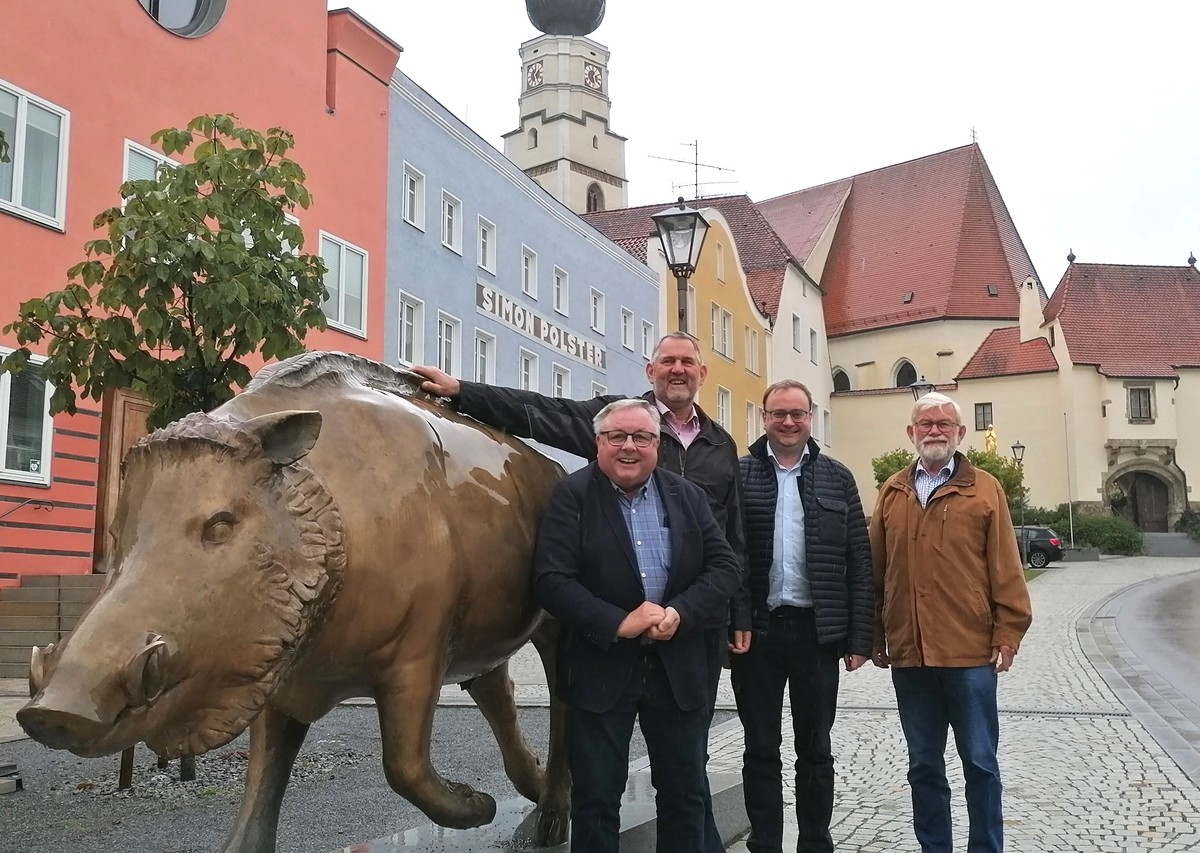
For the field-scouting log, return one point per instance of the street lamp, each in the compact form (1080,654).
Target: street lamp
(920,388)
(681,231)
(1018,452)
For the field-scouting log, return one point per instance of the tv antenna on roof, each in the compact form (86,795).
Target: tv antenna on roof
(696,166)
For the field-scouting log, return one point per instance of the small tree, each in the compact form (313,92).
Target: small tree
(887,464)
(198,269)
(1009,473)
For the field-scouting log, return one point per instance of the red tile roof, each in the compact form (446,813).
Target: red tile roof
(935,228)
(763,254)
(1003,354)
(800,218)
(1132,321)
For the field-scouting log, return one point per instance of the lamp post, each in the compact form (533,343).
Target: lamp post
(681,230)
(1018,452)
(920,388)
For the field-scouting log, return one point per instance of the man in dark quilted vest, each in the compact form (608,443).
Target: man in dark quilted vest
(812,593)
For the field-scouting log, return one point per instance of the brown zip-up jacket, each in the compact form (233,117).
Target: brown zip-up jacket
(948,581)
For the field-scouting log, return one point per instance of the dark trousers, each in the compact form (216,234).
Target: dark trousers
(715,644)
(598,754)
(932,699)
(788,654)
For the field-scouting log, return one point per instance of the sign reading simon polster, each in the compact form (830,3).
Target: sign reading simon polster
(535,326)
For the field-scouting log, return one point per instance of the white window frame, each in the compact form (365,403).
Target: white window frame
(157,156)
(452,222)
(724,406)
(529,272)
(815,422)
(599,389)
(753,422)
(487,245)
(42,476)
(414,213)
(418,325)
(648,340)
(560,381)
(720,262)
(596,311)
(797,334)
(16,155)
(828,431)
(693,322)
(752,350)
(523,356)
(345,245)
(562,291)
(722,328)
(627,328)
(453,363)
(813,344)
(489,366)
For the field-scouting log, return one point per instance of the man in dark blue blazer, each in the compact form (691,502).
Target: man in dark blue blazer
(632,562)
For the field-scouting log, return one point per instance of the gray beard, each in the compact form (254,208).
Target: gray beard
(936,455)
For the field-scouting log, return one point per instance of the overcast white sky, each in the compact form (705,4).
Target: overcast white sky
(1086,112)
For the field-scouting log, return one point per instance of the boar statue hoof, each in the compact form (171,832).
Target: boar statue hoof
(472,808)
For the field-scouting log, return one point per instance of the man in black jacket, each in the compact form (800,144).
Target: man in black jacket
(812,594)
(631,561)
(693,446)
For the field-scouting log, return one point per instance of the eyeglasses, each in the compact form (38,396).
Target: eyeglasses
(781,415)
(617,438)
(943,426)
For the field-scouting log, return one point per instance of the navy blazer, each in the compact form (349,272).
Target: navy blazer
(586,575)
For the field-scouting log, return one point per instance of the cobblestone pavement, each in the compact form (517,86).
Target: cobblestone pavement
(1080,772)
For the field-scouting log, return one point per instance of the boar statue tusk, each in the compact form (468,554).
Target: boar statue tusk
(37,669)
(145,673)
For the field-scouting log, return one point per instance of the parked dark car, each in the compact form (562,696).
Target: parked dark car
(1042,545)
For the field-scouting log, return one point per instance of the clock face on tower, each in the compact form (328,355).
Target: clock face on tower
(533,75)
(593,77)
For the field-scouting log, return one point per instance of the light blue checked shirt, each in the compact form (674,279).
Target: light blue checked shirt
(788,577)
(647,522)
(925,483)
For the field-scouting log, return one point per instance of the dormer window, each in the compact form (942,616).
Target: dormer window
(908,297)
(993,291)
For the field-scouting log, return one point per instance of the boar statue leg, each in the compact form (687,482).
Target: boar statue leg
(406,704)
(493,693)
(275,740)
(553,814)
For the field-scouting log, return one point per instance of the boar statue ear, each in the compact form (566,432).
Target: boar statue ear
(285,436)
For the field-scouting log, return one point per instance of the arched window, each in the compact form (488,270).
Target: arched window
(841,382)
(595,198)
(533,137)
(906,374)
(187,18)
(595,141)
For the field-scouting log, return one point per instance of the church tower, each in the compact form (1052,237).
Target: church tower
(564,142)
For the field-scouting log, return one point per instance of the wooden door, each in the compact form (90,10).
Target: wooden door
(1149,503)
(122,424)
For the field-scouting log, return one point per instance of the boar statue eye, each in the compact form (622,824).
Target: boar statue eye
(219,528)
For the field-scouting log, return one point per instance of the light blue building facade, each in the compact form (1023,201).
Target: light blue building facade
(492,279)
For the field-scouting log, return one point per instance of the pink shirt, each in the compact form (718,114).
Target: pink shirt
(685,430)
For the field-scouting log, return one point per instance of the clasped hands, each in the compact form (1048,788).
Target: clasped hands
(651,620)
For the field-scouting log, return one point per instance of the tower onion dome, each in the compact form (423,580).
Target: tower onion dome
(565,17)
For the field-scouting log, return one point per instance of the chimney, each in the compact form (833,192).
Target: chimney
(1031,317)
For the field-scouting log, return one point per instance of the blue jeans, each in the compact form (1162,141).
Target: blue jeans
(932,699)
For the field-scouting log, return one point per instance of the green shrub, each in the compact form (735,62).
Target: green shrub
(1189,523)
(887,464)
(1110,535)
(1008,472)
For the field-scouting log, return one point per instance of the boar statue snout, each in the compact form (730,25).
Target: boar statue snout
(63,716)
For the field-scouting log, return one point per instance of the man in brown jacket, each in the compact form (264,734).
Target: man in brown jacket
(951,607)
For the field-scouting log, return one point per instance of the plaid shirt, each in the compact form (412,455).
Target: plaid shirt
(925,483)
(647,522)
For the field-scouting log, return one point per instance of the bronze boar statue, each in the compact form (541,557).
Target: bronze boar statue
(330,532)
